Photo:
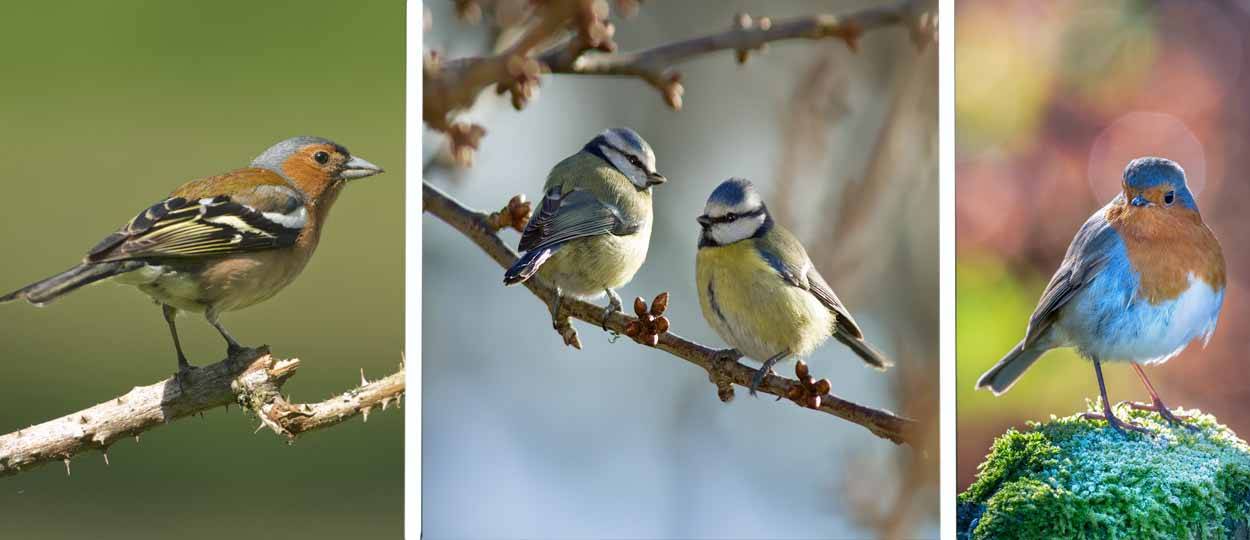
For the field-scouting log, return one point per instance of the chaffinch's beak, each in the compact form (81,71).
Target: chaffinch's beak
(655,178)
(358,168)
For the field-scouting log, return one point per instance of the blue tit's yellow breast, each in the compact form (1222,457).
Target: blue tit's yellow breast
(752,308)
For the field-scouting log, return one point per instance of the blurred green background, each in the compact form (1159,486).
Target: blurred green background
(105,108)
(1052,101)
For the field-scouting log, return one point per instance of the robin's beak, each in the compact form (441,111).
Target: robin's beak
(358,168)
(1139,201)
(655,179)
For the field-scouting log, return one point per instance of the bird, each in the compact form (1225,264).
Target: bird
(758,288)
(220,243)
(591,232)
(1143,278)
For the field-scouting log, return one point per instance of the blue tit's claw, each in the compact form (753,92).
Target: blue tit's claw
(614,337)
(758,379)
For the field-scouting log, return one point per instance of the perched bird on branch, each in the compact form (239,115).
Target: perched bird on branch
(1142,279)
(758,288)
(591,232)
(220,243)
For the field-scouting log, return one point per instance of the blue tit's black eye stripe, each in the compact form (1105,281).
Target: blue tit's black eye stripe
(733,217)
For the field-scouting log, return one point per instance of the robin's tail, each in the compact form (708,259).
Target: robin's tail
(47,290)
(1004,374)
(865,351)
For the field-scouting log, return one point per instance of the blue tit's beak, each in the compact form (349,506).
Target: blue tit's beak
(358,168)
(704,221)
(1139,200)
(655,179)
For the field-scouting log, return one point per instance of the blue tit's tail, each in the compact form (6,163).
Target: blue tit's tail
(870,355)
(527,265)
(1004,374)
(46,290)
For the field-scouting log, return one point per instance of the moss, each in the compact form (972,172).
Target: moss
(1076,478)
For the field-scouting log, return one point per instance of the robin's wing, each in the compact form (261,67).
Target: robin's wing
(800,273)
(566,216)
(1086,256)
(261,217)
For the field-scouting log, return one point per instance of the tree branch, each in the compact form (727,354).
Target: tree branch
(252,379)
(721,371)
(455,85)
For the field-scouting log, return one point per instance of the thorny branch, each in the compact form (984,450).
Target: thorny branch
(721,371)
(454,85)
(252,379)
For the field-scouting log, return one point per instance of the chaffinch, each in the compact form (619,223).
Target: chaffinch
(220,243)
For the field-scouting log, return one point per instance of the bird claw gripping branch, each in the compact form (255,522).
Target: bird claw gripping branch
(809,391)
(646,329)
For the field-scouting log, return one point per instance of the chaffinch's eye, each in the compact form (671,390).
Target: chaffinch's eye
(1169,198)
(321,157)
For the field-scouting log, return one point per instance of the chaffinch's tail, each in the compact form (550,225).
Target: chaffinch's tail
(1004,374)
(47,290)
(865,351)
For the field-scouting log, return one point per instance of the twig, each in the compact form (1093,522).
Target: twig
(253,379)
(721,372)
(455,85)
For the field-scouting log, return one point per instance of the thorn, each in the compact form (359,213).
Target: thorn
(365,413)
(258,428)
(106,458)
(136,438)
(363,380)
(385,402)
(399,401)
(66,466)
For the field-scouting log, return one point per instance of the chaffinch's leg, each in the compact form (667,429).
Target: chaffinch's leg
(765,369)
(1107,414)
(232,345)
(614,305)
(170,312)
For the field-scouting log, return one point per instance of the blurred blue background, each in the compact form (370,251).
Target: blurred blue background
(105,108)
(524,437)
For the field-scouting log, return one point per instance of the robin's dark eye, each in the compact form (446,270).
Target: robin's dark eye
(321,157)
(1169,197)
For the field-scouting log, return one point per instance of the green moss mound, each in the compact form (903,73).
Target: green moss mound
(1076,478)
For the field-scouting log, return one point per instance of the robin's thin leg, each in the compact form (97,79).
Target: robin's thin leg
(1156,404)
(765,369)
(1107,414)
(232,345)
(614,305)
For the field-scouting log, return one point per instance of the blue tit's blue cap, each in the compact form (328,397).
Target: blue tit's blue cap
(732,192)
(1147,172)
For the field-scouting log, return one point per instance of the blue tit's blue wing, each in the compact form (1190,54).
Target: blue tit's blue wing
(566,216)
(799,272)
(1086,257)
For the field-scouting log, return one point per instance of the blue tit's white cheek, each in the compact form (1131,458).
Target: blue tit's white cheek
(736,230)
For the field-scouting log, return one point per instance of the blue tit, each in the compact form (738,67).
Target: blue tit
(758,288)
(591,232)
